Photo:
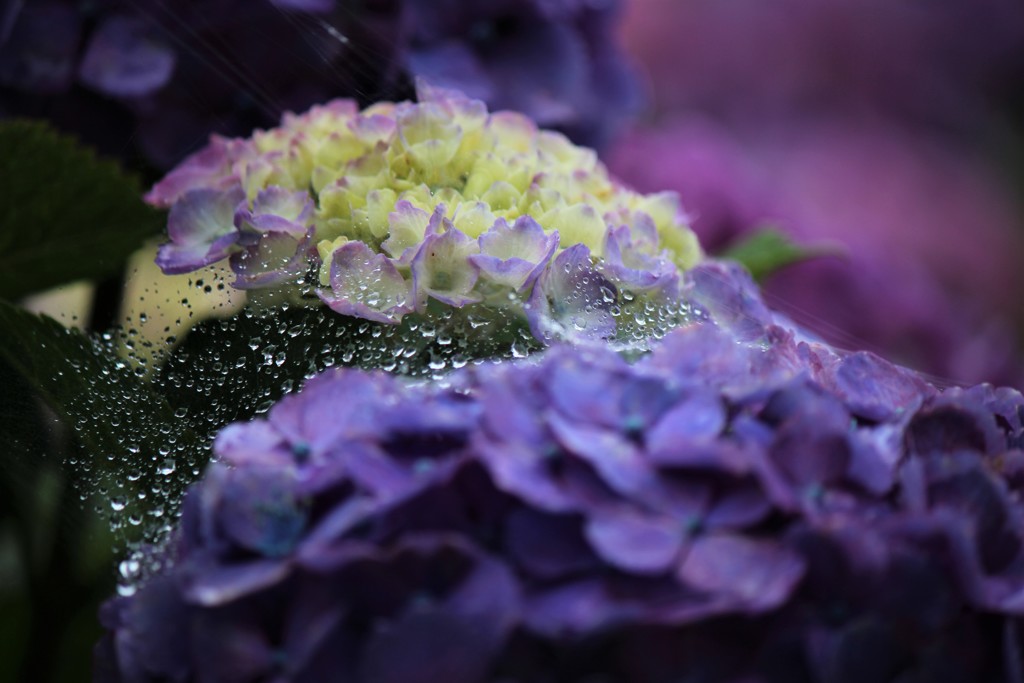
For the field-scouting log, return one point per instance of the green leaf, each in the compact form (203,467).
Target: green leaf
(65,215)
(121,423)
(769,250)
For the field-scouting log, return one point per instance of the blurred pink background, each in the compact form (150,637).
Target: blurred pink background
(888,127)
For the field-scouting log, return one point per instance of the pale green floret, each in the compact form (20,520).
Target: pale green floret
(474,218)
(577,224)
(407,226)
(448,150)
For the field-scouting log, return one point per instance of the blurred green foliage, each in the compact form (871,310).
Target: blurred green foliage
(65,215)
(769,250)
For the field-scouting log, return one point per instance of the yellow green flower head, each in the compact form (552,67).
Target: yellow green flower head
(385,209)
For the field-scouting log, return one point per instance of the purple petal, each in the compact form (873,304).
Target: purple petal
(515,255)
(520,470)
(376,473)
(230,645)
(367,285)
(743,505)
(210,168)
(310,418)
(124,59)
(626,264)
(514,273)
(202,230)
(450,65)
(314,624)
(373,129)
(701,354)
(219,585)
(635,543)
(697,420)
(587,393)
(256,443)
(174,259)
(758,575)
(571,300)
(259,510)
(618,461)
(728,293)
(335,526)
(277,257)
(949,424)
(278,210)
(441,269)
(201,216)
(681,495)
(876,389)
(490,596)
(873,457)
(149,639)
(576,608)
(809,460)
(510,410)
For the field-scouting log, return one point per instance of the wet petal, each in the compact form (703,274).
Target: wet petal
(515,255)
(275,258)
(202,230)
(442,270)
(367,285)
(276,209)
(572,300)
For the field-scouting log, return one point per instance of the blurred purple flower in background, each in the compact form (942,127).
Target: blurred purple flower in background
(871,125)
(939,66)
(161,76)
(739,505)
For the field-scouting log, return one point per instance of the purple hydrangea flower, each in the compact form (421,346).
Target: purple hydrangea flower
(120,60)
(166,76)
(741,504)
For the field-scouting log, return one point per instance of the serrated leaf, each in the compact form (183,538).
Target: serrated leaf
(769,250)
(65,215)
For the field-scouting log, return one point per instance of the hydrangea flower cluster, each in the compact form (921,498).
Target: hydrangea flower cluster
(400,204)
(738,505)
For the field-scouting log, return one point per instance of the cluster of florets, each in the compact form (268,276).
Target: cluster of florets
(739,505)
(401,204)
